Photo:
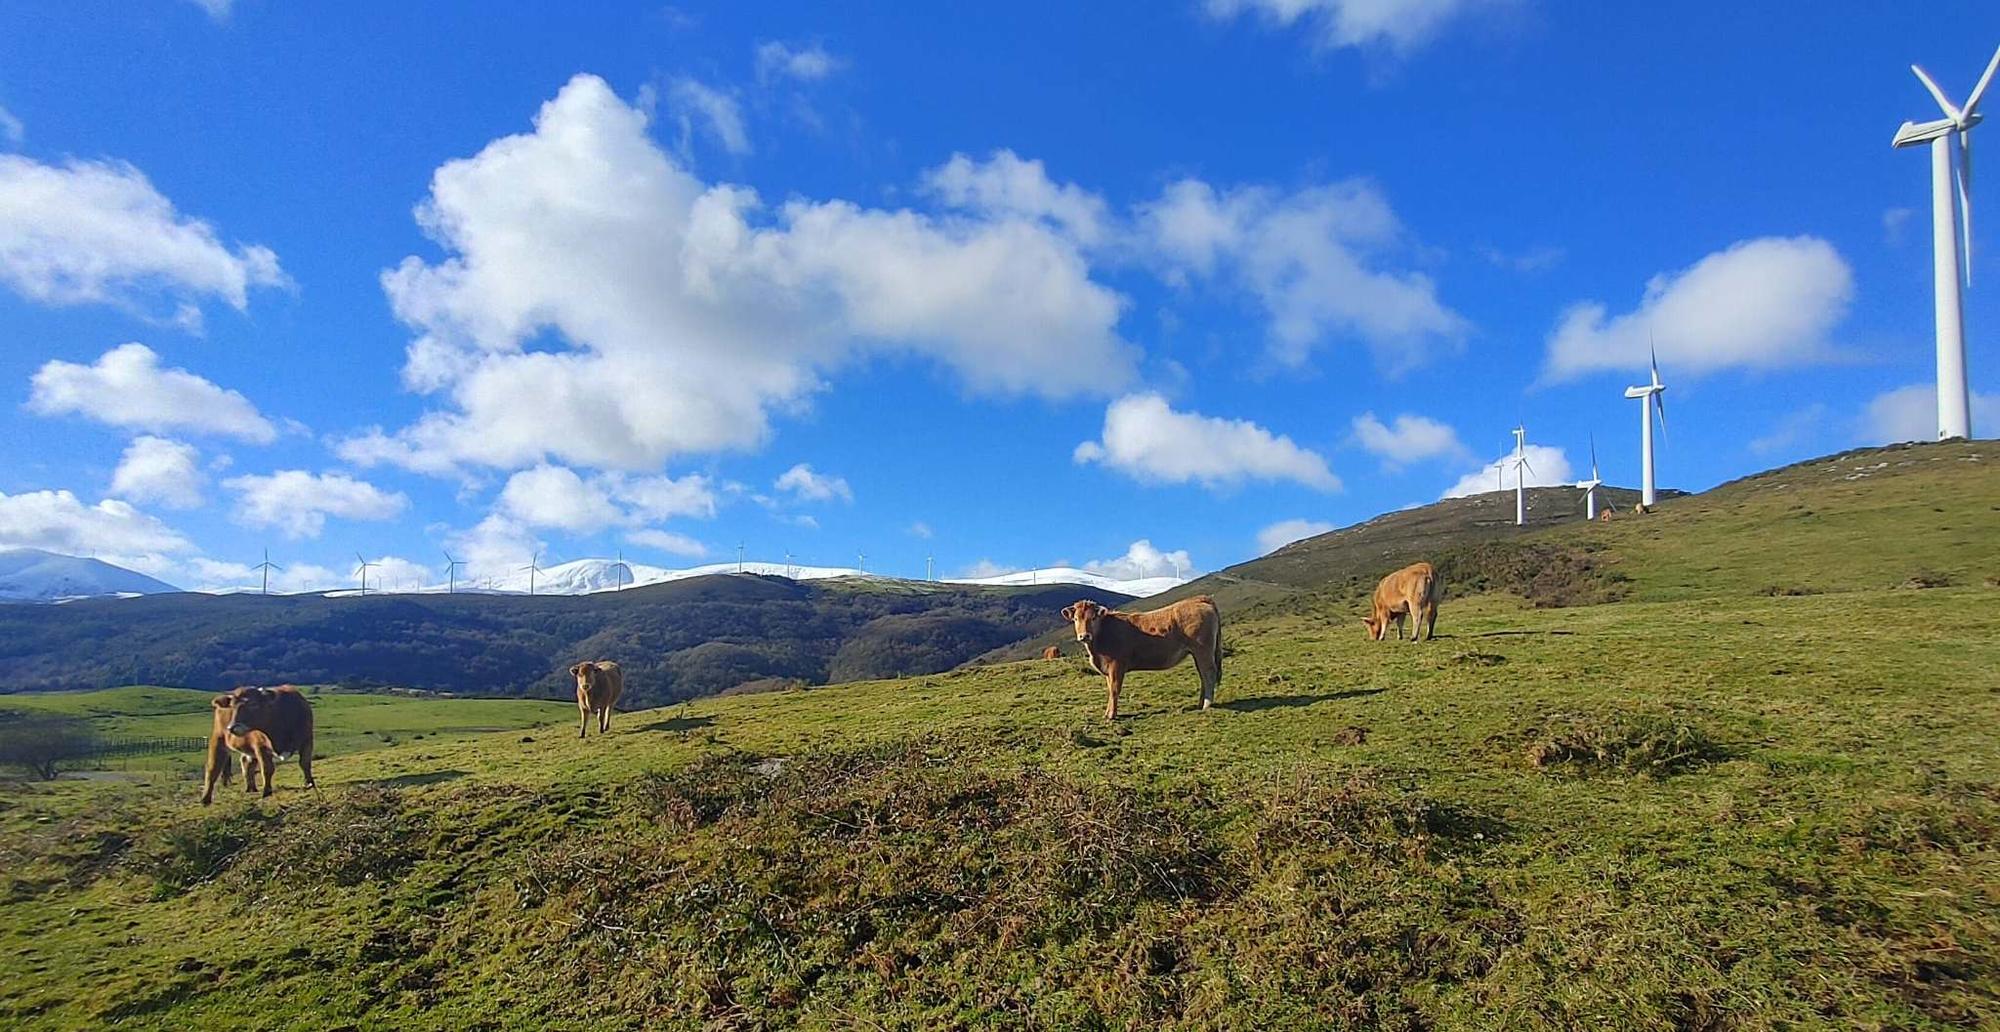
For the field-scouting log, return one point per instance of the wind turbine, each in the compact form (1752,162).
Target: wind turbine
(363,571)
(862,557)
(739,557)
(1521,482)
(1590,486)
(620,565)
(1651,397)
(533,567)
(451,573)
(790,571)
(267,566)
(930,562)
(1954,405)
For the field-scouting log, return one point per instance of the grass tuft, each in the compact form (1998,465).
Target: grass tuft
(1654,746)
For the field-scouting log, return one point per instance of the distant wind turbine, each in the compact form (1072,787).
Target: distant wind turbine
(451,573)
(930,562)
(533,567)
(1954,404)
(790,571)
(267,566)
(363,571)
(1521,481)
(862,558)
(620,566)
(1651,401)
(1590,486)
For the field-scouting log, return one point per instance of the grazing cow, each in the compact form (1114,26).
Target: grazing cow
(598,685)
(1604,515)
(1052,653)
(262,725)
(1117,643)
(1410,592)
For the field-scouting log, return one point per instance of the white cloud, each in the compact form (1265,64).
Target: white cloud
(11,128)
(1147,440)
(217,9)
(811,63)
(1284,532)
(807,486)
(1143,560)
(556,496)
(156,469)
(127,387)
(1894,221)
(112,530)
(717,112)
(204,574)
(684,313)
(923,530)
(297,502)
(1006,185)
(87,231)
(1910,414)
(1311,259)
(495,547)
(1547,467)
(1759,304)
(1794,428)
(1411,439)
(1399,25)
(987,568)
(669,542)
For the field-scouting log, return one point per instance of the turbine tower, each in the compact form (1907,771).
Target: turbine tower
(1651,399)
(533,567)
(930,565)
(267,566)
(739,557)
(363,571)
(1590,486)
(1947,231)
(790,571)
(1520,481)
(862,557)
(451,573)
(620,566)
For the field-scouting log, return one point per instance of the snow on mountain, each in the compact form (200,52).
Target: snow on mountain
(32,575)
(587,576)
(1139,587)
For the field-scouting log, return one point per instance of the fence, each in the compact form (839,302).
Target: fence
(122,748)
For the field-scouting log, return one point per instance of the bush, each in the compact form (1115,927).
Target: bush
(42,745)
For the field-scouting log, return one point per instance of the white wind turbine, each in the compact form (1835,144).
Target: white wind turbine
(363,571)
(451,573)
(267,566)
(534,567)
(1590,486)
(1954,405)
(1521,467)
(1650,399)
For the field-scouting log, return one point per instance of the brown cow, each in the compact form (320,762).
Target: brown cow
(261,725)
(1116,643)
(1411,592)
(1052,653)
(598,685)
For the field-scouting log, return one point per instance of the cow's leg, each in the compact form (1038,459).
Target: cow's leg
(1430,620)
(583,721)
(1204,666)
(267,765)
(1114,679)
(306,761)
(604,721)
(251,770)
(217,769)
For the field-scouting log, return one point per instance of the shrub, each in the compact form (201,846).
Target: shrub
(1636,744)
(42,745)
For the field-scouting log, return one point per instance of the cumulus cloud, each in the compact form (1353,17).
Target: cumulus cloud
(807,486)
(156,469)
(127,387)
(1910,414)
(716,112)
(1313,259)
(987,568)
(558,497)
(1399,25)
(98,232)
(11,128)
(683,313)
(297,503)
(1547,467)
(1759,304)
(1006,185)
(1410,439)
(669,542)
(1142,559)
(1146,439)
(923,530)
(206,574)
(1284,532)
(1793,429)
(56,521)
(777,59)
(494,547)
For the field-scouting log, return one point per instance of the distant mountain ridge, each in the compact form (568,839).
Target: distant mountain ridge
(34,575)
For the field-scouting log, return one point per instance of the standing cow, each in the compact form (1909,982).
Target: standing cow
(598,685)
(1119,642)
(261,725)
(1411,592)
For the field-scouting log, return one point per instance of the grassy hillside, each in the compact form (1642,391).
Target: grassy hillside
(1706,806)
(676,640)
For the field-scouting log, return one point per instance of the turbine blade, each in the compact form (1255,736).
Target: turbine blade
(1593,456)
(1964,176)
(1660,400)
(1936,93)
(1984,81)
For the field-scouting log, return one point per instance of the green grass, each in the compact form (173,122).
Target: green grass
(1702,807)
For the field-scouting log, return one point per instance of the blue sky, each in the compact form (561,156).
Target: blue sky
(1003,288)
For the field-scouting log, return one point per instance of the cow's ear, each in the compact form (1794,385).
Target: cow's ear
(220,702)
(1069,612)
(576,671)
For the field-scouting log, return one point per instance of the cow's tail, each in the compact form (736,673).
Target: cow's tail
(1218,647)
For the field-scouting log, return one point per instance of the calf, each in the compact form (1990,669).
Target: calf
(261,725)
(598,685)
(1052,653)
(1411,592)
(1119,642)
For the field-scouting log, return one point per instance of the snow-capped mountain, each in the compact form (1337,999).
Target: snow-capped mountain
(32,575)
(1139,587)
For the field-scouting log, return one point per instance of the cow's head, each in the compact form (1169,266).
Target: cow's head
(583,672)
(1085,616)
(1375,627)
(248,709)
